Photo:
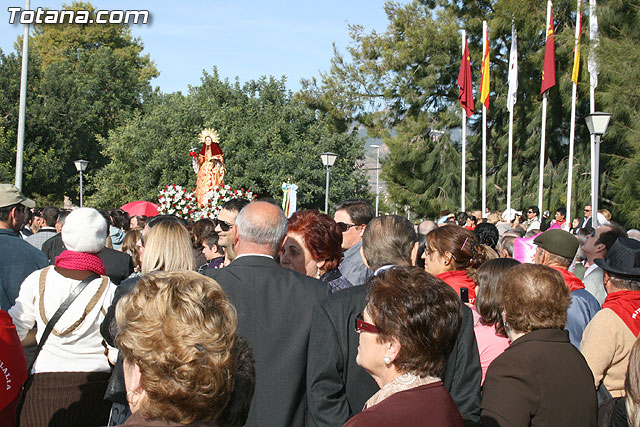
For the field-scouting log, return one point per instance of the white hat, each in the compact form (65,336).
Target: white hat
(84,230)
(510,214)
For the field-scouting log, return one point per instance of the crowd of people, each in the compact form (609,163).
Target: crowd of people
(252,318)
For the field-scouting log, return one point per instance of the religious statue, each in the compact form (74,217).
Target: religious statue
(209,165)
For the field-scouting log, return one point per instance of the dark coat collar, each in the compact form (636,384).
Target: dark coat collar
(549,335)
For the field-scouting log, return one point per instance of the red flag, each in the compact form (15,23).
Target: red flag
(549,69)
(464,81)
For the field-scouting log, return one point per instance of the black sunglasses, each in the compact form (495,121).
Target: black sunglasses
(224,226)
(344,226)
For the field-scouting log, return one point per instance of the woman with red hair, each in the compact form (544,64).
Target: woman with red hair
(453,254)
(313,247)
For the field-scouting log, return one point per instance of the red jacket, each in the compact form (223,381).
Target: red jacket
(459,279)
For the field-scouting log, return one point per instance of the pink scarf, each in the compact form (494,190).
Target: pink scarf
(80,261)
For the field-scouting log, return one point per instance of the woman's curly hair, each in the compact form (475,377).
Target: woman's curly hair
(179,328)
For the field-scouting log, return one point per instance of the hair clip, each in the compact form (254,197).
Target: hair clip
(465,242)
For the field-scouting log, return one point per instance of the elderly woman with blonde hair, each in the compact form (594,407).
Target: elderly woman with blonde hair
(176,336)
(541,378)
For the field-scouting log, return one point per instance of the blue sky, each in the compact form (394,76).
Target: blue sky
(243,38)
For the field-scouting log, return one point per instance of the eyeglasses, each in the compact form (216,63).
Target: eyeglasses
(344,227)
(530,212)
(224,226)
(587,210)
(362,326)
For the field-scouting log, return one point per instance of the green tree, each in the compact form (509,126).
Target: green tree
(619,90)
(266,135)
(401,83)
(83,81)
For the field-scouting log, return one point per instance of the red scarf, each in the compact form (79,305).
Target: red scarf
(626,304)
(80,261)
(459,279)
(570,279)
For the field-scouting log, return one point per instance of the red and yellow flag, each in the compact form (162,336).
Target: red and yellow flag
(465,83)
(484,82)
(576,56)
(549,69)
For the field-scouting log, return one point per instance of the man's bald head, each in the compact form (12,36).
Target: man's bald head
(426,226)
(261,226)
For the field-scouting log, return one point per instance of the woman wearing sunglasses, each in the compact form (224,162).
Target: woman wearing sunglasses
(313,247)
(407,330)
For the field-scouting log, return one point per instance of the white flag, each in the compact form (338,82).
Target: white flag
(592,64)
(513,70)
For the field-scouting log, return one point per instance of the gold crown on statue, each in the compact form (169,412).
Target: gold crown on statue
(209,132)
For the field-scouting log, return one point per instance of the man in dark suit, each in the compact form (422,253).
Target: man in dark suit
(274,306)
(337,388)
(585,221)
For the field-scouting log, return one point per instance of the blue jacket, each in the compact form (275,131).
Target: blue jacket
(18,259)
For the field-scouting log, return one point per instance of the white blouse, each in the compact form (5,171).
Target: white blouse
(75,343)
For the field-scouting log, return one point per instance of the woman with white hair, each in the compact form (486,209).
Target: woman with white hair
(71,370)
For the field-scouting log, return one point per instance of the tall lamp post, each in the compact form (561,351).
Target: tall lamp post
(597,123)
(81,165)
(328,159)
(377,176)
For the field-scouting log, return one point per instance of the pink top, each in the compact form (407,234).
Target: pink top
(490,344)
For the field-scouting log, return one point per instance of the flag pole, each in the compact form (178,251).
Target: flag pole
(593,83)
(511,100)
(484,129)
(574,90)
(464,141)
(544,120)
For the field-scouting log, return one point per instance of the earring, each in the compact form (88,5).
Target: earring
(387,360)
(133,397)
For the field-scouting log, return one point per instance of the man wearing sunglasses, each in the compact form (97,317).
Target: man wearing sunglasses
(352,217)
(585,221)
(533,218)
(224,226)
(337,388)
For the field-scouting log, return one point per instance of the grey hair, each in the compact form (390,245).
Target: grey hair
(266,232)
(626,283)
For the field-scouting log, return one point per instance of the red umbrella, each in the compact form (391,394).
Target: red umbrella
(140,207)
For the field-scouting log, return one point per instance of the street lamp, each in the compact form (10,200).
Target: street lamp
(377,176)
(81,165)
(328,159)
(597,123)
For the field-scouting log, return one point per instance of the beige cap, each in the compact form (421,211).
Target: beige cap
(11,195)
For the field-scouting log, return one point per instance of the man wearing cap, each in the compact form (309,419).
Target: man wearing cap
(18,258)
(556,248)
(608,338)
